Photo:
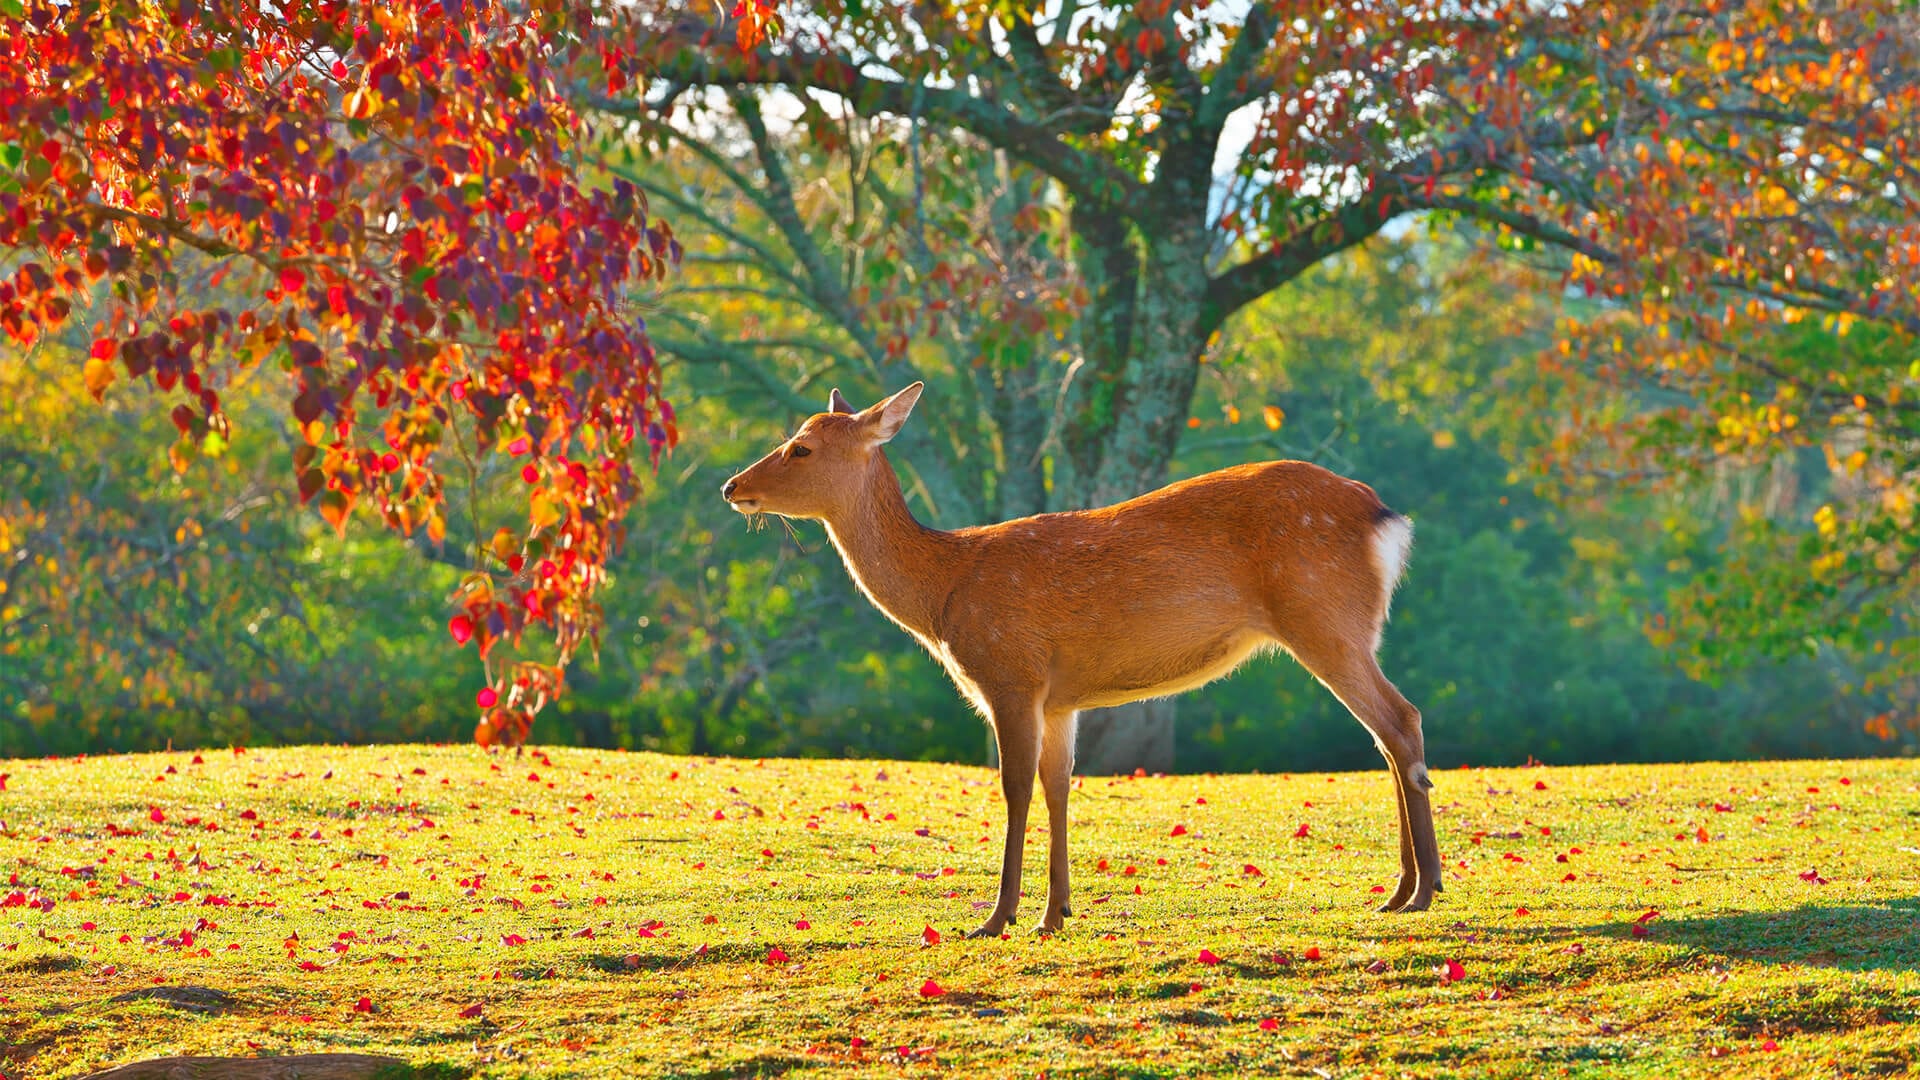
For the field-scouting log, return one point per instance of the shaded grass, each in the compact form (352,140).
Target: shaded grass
(613,914)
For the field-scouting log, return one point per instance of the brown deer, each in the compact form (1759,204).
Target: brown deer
(1043,616)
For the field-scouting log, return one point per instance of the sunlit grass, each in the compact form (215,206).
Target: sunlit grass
(597,913)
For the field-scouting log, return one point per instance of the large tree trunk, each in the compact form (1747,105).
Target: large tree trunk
(1120,740)
(1143,344)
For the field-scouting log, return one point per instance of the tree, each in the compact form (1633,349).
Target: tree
(1627,137)
(387,198)
(872,261)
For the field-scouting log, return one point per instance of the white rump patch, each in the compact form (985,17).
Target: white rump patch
(1392,542)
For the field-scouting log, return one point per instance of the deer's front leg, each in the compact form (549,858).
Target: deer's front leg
(1017,730)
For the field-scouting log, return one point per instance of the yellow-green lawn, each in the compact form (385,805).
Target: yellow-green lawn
(589,913)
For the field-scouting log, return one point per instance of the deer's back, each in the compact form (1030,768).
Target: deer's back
(1174,586)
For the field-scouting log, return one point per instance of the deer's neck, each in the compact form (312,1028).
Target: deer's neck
(905,568)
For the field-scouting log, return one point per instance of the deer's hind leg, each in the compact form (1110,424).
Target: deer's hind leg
(1347,667)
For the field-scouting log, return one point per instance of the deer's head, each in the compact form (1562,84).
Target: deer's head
(823,467)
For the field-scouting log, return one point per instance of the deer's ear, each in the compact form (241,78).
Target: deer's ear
(887,417)
(837,403)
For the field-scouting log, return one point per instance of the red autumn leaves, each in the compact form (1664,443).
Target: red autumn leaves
(463,270)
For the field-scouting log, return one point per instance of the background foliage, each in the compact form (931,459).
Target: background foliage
(206,606)
(1617,301)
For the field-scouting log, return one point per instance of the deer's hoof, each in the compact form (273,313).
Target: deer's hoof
(1401,894)
(993,928)
(1421,900)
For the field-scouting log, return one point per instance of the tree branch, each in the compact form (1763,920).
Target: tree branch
(1088,176)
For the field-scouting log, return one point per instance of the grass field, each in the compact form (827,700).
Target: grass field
(597,913)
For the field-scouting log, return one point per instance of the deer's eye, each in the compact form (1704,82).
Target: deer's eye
(798,450)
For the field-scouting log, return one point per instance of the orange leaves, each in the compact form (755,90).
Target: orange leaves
(97,373)
(755,21)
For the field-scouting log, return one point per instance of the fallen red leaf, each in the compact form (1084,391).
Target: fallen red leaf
(1208,958)
(930,989)
(469,1012)
(930,935)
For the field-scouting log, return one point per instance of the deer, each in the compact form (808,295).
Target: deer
(1038,618)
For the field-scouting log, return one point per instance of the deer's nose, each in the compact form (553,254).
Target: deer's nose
(726,489)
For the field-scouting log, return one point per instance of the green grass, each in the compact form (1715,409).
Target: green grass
(311,878)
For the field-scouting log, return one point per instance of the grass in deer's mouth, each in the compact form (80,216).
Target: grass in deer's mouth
(595,913)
